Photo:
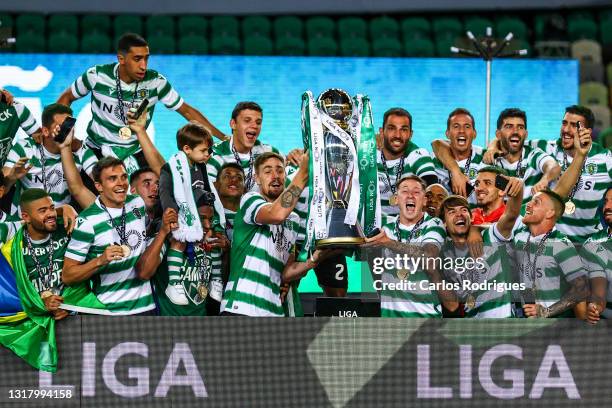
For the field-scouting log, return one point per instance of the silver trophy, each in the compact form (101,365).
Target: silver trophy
(338,105)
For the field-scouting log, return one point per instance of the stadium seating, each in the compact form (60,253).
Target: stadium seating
(256,26)
(591,72)
(354,47)
(258,45)
(288,26)
(602,116)
(95,23)
(586,51)
(578,29)
(6,20)
(95,43)
(512,25)
(593,93)
(352,27)
(193,44)
(320,27)
(224,26)
(224,45)
(62,42)
(30,23)
(30,42)
(605,138)
(127,24)
(415,27)
(419,47)
(387,47)
(478,25)
(291,46)
(160,25)
(192,25)
(383,27)
(162,44)
(323,46)
(63,23)
(447,28)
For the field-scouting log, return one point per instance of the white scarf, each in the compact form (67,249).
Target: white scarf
(190,228)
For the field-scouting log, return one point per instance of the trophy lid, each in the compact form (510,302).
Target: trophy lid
(337,104)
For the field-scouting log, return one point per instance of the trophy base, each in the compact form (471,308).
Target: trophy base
(339,234)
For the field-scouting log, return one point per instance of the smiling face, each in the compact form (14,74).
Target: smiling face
(486,192)
(434,196)
(113,186)
(270,176)
(411,201)
(230,183)
(538,209)
(458,220)
(569,129)
(396,134)
(461,133)
(246,128)
(40,215)
(512,134)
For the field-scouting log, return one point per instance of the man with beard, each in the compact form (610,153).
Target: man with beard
(579,219)
(457,162)
(107,242)
(489,198)
(494,264)
(243,147)
(508,151)
(597,257)
(264,234)
(435,194)
(44,246)
(399,157)
(413,234)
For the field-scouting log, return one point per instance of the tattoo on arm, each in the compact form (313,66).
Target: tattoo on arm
(577,293)
(290,196)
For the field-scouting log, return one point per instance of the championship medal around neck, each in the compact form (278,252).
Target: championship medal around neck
(393,199)
(45,294)
(402,274)
(126,250)
(570,207)
(202,290)
(470,302)
(125,133)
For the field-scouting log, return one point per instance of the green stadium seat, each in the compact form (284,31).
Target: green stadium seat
(386,47)
(580,15)
(126,23)
(63,23)
(322,46)
(605,15)
(256,26)
(550,27)
(581,29)
(33,23)
(288,26)
(62,42)
(320,27)
(6,20)
(591,72)
(602,116)
(383,27)
(447,28)
(258,45)
(95,23)
(192,25)
(415,27)
(478,25)
(593,93)
(95,43)
(352,27)
(605,138)
(30,42)
(419,47)
(162,44)
(193,44)
(443,47)
(354,47)
(224,26)
(162,25)
(512,25)
(586,51)
(290,46)
(605,28)
(224,45)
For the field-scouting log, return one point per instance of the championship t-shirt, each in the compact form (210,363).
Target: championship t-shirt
(11,119)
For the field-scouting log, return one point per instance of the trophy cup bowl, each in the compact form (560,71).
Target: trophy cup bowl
(338,173)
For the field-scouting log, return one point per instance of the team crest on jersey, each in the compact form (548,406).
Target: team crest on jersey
(142,94)
(591,168)
(472,173)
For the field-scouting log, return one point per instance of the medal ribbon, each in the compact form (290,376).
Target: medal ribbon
(531,267)
(248,181)
(45,278)
(119,228)
(120,97)
(565,166)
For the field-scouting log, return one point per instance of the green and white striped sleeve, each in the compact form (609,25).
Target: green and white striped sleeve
(82,239)
(167,94)
(17,151)
(421,163)
(87,159)
(27,122)
(252,203)
(540,158)
(568,259)
(595,259)
(84,84)
(434,232)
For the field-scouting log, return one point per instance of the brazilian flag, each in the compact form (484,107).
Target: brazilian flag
(26,327)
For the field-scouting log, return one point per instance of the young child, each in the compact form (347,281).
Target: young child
(183,180)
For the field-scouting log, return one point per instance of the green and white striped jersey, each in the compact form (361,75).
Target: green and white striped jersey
(222,153)
(8,229)
(115,284)
(596,255)
(595,178)
(301,207)
(532,167)
(101,81)
(417,161)
(11,119)
(229,223)
(56,184)
(476,164)
(488,303)
(555,269)
(420,302)
(258,256)
(40,248)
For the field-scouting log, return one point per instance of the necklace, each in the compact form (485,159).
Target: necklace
(402,274)
(249,178)
(127,250)
(398,173)
(530,270)
(44,277)
(125,132)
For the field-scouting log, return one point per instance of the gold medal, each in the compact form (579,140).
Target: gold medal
(402,274)
(570,207)
(470,302)
(202,290)
(125,133)
(126,250)
(393,200)
(45,294)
